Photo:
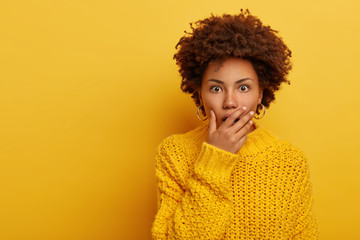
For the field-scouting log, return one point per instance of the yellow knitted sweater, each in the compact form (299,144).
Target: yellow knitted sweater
(263,192)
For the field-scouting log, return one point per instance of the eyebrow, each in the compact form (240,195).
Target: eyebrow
(221,82)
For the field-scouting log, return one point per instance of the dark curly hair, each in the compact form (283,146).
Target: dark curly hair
(243,36)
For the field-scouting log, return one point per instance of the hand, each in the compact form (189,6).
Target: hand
(230,135)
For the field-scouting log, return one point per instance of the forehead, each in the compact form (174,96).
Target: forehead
(230,69)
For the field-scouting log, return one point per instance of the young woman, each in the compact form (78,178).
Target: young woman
(231,178)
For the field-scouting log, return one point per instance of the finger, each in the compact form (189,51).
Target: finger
(242,121)
(242,140)
(237,114)
(244,130)
(212,122)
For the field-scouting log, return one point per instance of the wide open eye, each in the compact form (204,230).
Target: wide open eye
(244,88)
(215,89)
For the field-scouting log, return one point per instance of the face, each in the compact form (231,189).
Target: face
(229,85)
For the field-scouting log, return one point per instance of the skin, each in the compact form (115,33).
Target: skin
(230,93)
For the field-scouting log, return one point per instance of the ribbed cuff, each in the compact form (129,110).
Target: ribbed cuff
(214,164)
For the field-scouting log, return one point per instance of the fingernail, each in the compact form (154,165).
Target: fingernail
(251,113)
(251,122)
(244,107)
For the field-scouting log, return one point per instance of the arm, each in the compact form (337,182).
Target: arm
(199,208)
(306,225)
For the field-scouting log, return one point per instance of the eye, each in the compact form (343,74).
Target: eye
(215,89)
(244,88)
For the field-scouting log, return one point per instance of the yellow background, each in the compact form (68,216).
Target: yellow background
(88,89)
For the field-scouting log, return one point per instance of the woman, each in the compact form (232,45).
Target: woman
(230,178)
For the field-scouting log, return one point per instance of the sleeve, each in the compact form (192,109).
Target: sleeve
(199,208)
(306,225)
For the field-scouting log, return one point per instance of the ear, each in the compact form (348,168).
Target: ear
(260,96)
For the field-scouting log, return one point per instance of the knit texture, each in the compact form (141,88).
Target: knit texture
(262,192)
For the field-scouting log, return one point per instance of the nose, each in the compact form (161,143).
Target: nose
(230,101)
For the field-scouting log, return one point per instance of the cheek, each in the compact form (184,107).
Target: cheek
(251,102)
(254,105)
(211,103)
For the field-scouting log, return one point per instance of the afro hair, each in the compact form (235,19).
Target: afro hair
(243,36)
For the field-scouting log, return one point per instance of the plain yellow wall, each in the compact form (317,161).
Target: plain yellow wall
(88,89)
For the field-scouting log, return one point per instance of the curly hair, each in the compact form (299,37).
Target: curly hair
(243,36)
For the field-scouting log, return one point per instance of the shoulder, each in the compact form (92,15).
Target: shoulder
(295,163)
(177,146)
(294,157)
(184,140)
(285,156)
(176,154)
(279,141)
(287,150)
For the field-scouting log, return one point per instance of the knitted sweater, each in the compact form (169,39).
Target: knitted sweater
(262,192)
